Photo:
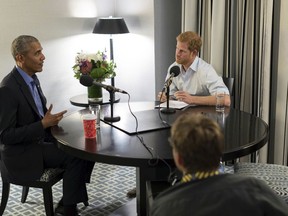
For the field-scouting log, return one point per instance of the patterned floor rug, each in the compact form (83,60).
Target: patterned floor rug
(107,192)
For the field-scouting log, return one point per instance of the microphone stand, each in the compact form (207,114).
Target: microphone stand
(111,118)
(167,110)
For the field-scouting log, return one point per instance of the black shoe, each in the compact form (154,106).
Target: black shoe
(71,210)
(59,210)
(131,193)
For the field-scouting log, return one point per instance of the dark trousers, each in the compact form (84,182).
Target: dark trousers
(77,172)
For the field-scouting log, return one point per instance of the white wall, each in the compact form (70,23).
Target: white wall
(64,28)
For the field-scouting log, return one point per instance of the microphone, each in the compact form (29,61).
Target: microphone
(89,81)
(174,72)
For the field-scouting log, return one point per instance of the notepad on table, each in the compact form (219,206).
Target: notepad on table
(175,104)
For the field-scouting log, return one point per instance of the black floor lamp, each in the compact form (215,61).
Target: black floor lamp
(111,25)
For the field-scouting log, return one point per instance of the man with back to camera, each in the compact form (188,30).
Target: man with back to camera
(197,144)
(26,144)
(197,82)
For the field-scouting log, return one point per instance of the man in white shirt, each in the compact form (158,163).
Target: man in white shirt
(197,82)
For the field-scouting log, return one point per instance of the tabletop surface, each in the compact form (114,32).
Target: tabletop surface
(244,134)
(82,99)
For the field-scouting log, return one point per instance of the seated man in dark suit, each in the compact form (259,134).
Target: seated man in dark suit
(197,143)
(26,144)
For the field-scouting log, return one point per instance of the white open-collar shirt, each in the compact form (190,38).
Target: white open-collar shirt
(200,79)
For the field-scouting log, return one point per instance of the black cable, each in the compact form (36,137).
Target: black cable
(149,148)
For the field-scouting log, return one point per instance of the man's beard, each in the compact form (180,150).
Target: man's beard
(180,61)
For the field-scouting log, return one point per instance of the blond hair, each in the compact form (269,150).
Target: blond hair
(198,140)
(193,40)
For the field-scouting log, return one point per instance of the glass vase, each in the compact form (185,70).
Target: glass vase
(95,94)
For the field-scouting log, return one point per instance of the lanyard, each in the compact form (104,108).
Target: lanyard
(199,175)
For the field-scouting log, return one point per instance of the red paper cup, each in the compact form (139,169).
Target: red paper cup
(91,145)
(89,124)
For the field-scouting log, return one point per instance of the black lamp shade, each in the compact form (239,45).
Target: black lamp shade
(110,25)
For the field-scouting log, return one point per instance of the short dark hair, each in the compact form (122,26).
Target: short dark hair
(20,45)
(199,142)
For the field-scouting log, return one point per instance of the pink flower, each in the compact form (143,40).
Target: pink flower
(94,65)
(86,67)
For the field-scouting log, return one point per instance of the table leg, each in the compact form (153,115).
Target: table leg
(253,157)
(143,175)
(141,178)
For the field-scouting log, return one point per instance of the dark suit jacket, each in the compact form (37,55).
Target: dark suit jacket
(21,131)
(228,194)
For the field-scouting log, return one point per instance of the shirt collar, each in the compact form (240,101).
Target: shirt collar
(194,65)
(25,76)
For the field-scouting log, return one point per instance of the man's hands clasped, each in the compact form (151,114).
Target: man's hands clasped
(179,95)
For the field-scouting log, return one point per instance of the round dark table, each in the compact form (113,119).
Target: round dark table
(82,100)
(116,143)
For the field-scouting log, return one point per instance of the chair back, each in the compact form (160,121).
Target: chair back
(229,82)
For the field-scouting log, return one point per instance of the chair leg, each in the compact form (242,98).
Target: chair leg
(5,196)
(48,201)
(25,191)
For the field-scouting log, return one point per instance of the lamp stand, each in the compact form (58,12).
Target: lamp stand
(111,58)
(112,97)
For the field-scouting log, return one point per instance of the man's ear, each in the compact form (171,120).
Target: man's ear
(178,160)
(19,58)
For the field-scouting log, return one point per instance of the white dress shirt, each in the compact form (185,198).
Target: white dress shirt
(200,79)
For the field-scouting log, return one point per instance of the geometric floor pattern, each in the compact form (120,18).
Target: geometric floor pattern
(107,192)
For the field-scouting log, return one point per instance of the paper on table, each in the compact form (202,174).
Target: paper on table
(174,104)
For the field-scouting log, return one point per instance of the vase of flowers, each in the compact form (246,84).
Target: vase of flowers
(98,67)
(94,94)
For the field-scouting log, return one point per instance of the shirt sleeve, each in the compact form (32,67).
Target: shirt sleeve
(214,82)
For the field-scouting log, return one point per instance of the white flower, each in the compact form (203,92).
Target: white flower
(87,63)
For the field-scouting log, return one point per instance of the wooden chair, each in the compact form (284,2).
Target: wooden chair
(229,82)
(47,180)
